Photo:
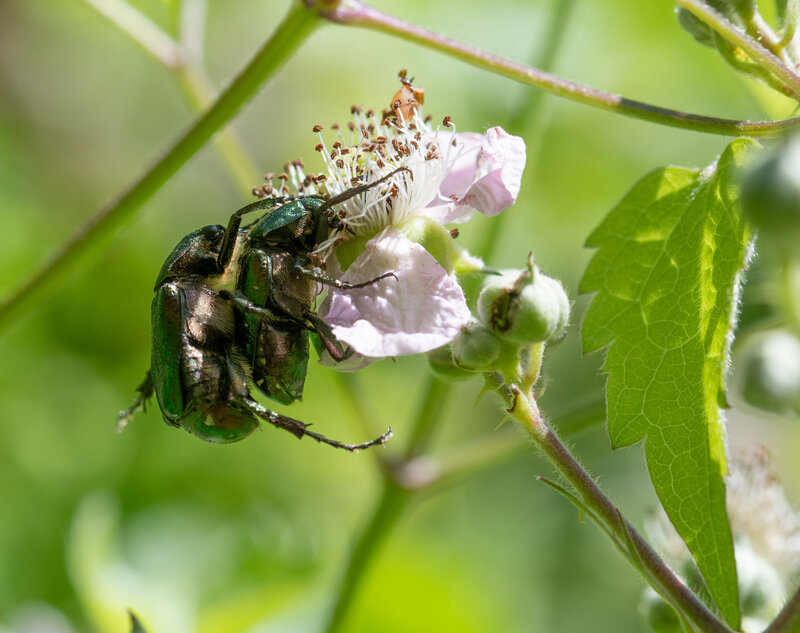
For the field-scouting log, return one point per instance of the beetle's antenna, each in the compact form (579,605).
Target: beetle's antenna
(350,193)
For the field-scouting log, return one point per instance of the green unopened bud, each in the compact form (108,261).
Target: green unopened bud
(737,11)
(769,378)
(770,195)
(524,306)
(476,347)
(442,364)
(698,29)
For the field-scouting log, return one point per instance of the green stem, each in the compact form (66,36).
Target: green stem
(384,517)
(743,65)
(295,28)
(758,53)
(390,506)
(185,60)
(357,14)
(639,553)
(431,473)
(436,394)
(197,91)
(789,23)
(531,112)
(140,29)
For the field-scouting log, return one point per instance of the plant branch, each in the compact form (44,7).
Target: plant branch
(789,23)
(641,555)
(390,506)
(735,36)
(295,28)
(185,61)
(355,13)
(388,509)
(140,29)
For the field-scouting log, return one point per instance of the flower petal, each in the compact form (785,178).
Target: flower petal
(421,309)
(486,176)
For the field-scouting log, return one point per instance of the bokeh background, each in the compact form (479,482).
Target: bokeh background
(254,537)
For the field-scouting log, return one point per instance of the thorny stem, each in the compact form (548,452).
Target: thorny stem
(524,409)
(357,14)
(758,53)
(297,25)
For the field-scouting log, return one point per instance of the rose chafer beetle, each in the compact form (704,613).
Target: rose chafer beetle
(210,343)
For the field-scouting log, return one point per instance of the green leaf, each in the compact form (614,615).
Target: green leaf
(666,276)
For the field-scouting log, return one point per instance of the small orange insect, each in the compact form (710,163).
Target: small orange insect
(406,100)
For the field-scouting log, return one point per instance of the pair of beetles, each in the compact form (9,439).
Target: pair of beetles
(210,344)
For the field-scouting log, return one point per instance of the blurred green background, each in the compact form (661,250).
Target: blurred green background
(253,537)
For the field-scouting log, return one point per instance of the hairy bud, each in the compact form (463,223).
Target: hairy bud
(524,306)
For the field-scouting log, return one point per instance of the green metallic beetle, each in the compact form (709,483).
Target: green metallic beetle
(209,343)
(276,273)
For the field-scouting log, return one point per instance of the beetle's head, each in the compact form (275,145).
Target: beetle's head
(195,255)
(222,424)
(316,224)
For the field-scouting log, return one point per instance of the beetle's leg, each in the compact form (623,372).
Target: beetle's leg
(139,403)
(245,305)
(354,191)
(328,338)
(317,274)
(235,221)
(300,429)
(295,427)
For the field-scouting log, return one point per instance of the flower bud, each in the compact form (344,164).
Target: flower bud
(442,364)
(699,30)
(737,11)
(524,306)
(770,195)
(476,347)
(770,373)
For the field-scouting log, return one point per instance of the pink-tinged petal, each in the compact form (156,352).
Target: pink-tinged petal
(487,175)
(502,161)
(421,309)
(464,171)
